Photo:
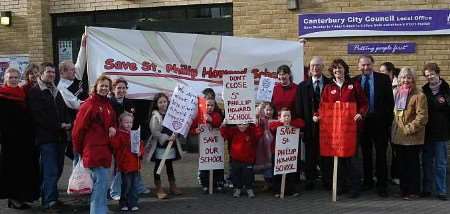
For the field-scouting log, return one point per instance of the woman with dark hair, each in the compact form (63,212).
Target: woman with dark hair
(285,90)
(344,89)
(19,169)
(93,129)
(31,74)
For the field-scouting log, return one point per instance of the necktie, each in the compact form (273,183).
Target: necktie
(316,94)
(367,90)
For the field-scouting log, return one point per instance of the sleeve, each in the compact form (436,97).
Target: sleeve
(216,120)
(37,110)
(258,133)
(298,123)
(389,102)
(273,126)
(81,125)
(298,106)
(362,103)
(226,133)
(81,63)
(156,128)
(421,116)
(115,144)
(70,99)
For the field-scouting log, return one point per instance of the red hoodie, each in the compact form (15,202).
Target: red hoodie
(215,123)
(243,144)
(297,123)
(126,160)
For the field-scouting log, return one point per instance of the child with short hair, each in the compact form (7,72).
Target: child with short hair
(212,119)
(284,119)
(243,138)
(128,160)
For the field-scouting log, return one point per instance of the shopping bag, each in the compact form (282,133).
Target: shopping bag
(80,181)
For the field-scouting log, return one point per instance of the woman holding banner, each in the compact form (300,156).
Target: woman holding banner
(408,131)
(344,89)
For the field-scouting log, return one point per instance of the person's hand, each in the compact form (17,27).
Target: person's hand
(197,131)
(173,137)
(224,122)
(83,40)
(316,119)
(112,131)
(358,117)
(207,117)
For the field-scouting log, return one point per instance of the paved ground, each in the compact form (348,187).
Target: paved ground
(193,201)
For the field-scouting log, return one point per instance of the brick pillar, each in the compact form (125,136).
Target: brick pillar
(39,31)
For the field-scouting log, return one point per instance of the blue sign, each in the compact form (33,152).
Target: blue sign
(418,22)
(381,48)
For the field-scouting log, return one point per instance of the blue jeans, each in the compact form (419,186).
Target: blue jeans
(52,163)
(435,166)
(100,177)
(116,184)
(129,196)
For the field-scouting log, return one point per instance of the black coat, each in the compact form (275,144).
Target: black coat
(438,126)
(19,166)
(304,106)
(126,105)
(48,114)
(383,99)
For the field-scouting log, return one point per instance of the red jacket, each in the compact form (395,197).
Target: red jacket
(215,123)
(90,133)
(297,123)
(284,96)
(125,160)
(351,91)
(243,144)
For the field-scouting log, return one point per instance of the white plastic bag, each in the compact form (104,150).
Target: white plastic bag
(80,181)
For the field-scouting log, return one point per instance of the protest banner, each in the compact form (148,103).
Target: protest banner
(286,153)
(154,62)
(211,151)
(265,89)
(239,98)
(135,136)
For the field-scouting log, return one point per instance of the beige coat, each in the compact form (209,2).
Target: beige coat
(408,127)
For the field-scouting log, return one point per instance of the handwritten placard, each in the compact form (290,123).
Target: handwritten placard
(286,150)
(211,149)
(239,98)
(265,89)
(181,110)
(337,129)
(135,136)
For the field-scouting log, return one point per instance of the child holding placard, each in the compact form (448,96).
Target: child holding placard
(243,139)
(211,119)
(127,154)
(284,119)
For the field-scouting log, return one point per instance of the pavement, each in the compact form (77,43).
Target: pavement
(194,201)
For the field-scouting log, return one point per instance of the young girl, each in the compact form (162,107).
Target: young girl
(263,162)
(159,140)
(243,138)
(128,162)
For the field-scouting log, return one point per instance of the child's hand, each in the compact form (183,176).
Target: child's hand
(112,132)
(197,131)
(316,119)
(173,137)
(207,117)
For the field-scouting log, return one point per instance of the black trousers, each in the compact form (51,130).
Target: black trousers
(372,135)
(242,174)
(311,159)
(218,180)
(169,169)
(409,165)
(394,162)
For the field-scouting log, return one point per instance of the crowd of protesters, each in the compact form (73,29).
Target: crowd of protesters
(42,122)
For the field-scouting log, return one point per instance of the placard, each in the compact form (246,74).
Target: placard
(286,150)
(65,50)
(211,149)
(265,89)
(135,136)
(239,98)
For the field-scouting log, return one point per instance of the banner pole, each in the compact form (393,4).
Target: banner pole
(283,185)
(163,161)
(335,171)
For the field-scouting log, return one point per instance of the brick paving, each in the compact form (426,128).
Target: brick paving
(193,201)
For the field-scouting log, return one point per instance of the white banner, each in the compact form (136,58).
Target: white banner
(286,150)
(239,98)
(211,149)
(155,62)
(265,89)
(181,110)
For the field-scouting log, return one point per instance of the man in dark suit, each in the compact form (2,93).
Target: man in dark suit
(378,89)
(307,103)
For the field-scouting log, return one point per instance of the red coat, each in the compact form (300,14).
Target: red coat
(351,91)
(243,144)
(126,161)
(297,123)
(215,123)
(284,96)
(90,133)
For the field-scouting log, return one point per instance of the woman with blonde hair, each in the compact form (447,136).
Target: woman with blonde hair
(408,131)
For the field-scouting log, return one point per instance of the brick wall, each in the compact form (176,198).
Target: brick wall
(14,39)
(62,6)
(272,19)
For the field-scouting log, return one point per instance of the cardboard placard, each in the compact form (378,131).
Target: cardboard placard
(211,149)
(286,150)
(265,89)
(135,136)
(239,98)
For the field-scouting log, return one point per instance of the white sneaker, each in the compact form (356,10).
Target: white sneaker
(250,193)
(135,208)
(146,191)
(116,197)
(124,208)
(237,193)
(396,181)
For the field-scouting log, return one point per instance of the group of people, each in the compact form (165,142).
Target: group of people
(43,122)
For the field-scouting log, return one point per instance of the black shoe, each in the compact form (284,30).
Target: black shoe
(18,205)
(442,197)
(383,193)
(355,194)
(425,194)
(309,186)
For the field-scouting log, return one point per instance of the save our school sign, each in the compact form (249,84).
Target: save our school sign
(211,149)
(286,150)
(154,62)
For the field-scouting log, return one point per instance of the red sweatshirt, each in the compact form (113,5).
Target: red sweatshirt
(126,161)
(215,123)
(284,96)
(243,144)
(351,92)
(297,123)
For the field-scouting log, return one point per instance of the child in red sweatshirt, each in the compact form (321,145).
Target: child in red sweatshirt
(128,162)
(284,119)
(243,139)
(212,119)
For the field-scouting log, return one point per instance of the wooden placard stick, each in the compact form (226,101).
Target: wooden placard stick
(335,171)
(163,161)
(283,185)
(211,177)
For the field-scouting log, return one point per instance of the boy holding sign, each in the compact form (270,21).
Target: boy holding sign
(283,129)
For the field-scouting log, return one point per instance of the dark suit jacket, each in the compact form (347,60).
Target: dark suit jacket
(383,100)
(304,106)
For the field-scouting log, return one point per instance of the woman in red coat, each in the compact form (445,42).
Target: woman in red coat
(344,89)
(285,90)
(93,129)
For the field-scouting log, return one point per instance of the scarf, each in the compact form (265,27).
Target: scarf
(401,97)
(435,87)
(12,93)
